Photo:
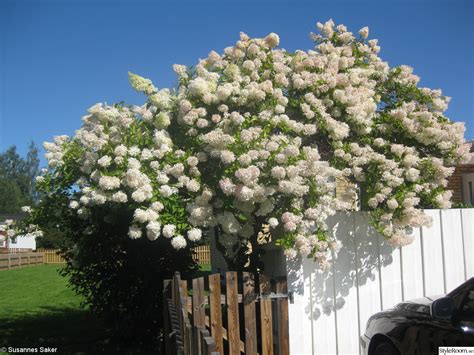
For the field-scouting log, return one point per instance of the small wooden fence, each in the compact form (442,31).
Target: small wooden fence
(52,256)
(15,250)
(13,261)
(211,322)
(17,257)
(202,255)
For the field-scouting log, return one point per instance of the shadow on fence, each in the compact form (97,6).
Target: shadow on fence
(358,261)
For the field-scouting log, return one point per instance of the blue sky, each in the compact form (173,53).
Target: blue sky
(57,58)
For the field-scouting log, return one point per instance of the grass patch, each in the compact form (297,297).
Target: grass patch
(38,309)
(32,290)
(203,271)
(205,267)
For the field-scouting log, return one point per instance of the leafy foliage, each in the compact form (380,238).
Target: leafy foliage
(17,176)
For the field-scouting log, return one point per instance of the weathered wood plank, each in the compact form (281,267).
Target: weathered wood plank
(282,314)
(223,300)
(208,346)
(266,317)
(224,335)
(184,295)
(249,298)
(233,331)
(216,311)
(198,302)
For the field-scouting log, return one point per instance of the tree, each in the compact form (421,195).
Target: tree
(32,169)
(11,198)
(17,179)
(275,129)
(259,135)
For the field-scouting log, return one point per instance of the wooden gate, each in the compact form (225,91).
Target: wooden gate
(214,318)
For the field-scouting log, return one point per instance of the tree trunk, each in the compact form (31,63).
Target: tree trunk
(255,264)
(242,260)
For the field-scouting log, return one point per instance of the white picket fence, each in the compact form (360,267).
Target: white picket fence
(331,308)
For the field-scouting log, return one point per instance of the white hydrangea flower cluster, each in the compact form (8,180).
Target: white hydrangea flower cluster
(126,157)
(260,135)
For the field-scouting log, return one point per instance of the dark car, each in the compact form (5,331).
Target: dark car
(422,325)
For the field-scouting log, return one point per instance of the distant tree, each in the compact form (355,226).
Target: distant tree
(17,176)
(11,198)
(32,169)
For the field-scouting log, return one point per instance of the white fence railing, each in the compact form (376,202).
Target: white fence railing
(331,308)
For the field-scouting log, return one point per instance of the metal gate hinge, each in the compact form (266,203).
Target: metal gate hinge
(272,295)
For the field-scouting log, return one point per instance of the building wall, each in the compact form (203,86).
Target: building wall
(26,242)
(455,181)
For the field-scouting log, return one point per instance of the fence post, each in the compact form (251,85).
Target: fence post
(199,315)
(198,302)
(184,290)
(216,311)
(266,317)
(9,266)
(282,316)
(248,299)
(208,345)
(233,327)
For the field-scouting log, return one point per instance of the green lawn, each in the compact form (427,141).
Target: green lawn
(38,309)
(205,268)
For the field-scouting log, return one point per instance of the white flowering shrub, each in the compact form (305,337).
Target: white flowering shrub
(9,229)
(123,156)
(258,135)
